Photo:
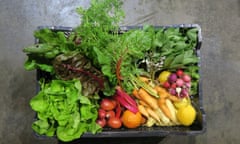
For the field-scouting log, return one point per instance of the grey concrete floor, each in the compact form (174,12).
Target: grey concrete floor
(220,58)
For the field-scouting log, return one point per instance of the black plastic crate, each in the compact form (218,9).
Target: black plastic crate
(198,127)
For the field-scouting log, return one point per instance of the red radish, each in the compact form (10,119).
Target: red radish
(186,78)
(179,82)
(172,91)
(101,113)
(107,104)
(188,84)
(101,122)
(179,73)
(178,90)
(174,85)
(172,78)
(184,93)
(166,84)
(110,114)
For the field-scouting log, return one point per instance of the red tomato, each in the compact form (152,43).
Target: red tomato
(114,102)
(101,113)
(101,122)
(114,122)
(110,114)
(107,104)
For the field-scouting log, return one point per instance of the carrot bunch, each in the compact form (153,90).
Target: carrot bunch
(155,103)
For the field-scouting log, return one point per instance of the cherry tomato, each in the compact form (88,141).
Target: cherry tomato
(114,102)
(101,113)
(107,104)
(114,122)
(110,114)
(179,73)
(101,122)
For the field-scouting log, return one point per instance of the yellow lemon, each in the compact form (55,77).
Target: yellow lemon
(186,115)
(163,76)
(183,103)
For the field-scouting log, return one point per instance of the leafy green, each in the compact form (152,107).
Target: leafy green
(50,45)
(110,51)
(75,65)
(171,49)
(63,110)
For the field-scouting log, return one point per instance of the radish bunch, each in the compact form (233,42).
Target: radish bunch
(178,84)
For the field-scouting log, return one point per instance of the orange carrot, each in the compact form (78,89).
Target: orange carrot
(151,101)
(161,91)
(135,94)
(143,103)
(143,120)
(142,110)
(153,114)
(165,110)
(161,101)
(173,98)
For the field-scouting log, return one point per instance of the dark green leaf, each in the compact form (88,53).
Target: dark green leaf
(192,34)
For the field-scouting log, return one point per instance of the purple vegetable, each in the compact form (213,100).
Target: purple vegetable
(172,78)
(172,91)
(184,93)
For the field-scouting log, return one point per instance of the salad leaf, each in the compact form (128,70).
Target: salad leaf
(63,110)
(50,44)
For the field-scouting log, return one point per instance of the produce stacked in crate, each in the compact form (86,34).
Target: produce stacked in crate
(98,76)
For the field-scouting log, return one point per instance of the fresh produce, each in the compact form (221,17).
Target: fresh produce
(125,100)
(163,77)
(164,107)
(114,122)
(130,119)
(109,113)
(63,110)
(186,115)
(101,113)
(182,103)
(148,99)
(102,122)
(99,76)
(178,84)
(75,65)
(107,104)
